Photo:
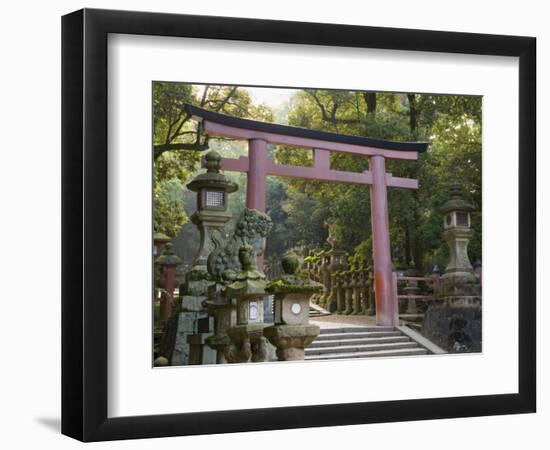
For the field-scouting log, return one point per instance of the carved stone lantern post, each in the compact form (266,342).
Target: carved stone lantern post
(457,233)
(248,290)
(326,279)
(348,292)
(454,321)
(292,332)
(356,287)
(338,264)
(159,240)
(212,188)
(167,261)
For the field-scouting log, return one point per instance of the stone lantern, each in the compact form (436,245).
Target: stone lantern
(453,322)
(248,290)
(168,261)
(457,233)
(159,240)
(212,188)
(326,279)
(291,331)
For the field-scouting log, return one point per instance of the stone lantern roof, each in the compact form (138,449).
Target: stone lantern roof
(168,256)
(160,238)
(293,281)
(212,178)
(456,203)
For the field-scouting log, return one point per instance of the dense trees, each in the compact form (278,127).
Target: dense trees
(177,141)
(299,209)
(453,126)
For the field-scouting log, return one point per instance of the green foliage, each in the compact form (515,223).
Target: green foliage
(362,256)
(178,143)
(306,218)
(451,123)
(168,212)
(299,209)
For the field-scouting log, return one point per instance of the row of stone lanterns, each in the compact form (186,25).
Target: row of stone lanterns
(346,291)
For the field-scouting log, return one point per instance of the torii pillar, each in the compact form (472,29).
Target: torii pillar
(256,174)
(385,284)
(256,180)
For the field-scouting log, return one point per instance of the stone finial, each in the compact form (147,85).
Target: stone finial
(456,190)
(456,202)
(293,281)
(213,162)
(247,257)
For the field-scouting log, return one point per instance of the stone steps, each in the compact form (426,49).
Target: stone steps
(372,354)
(356,329)
(357,335)
(318,343)
(361,348)
(362,342)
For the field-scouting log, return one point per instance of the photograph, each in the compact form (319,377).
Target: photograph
(308,224)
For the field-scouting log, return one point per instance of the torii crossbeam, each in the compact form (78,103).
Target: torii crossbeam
(258,167)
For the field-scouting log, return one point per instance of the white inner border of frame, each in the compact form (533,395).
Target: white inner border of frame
(137,389)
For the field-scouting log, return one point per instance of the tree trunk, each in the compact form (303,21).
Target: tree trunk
(370,100)
(413,116)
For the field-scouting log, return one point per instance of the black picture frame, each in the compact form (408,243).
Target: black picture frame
(84,224)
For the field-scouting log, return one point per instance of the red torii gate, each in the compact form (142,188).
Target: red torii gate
(258,167)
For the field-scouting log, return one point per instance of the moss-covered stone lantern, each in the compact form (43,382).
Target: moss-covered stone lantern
(167,261)
(248,290)
(292,332)
(457,233)
(212,188)
(453,322)
(159,240)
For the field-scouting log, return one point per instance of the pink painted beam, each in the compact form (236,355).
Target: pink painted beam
(385,280)
(398,182)
(235,165)
(321,159)
(319,172)
(215,129)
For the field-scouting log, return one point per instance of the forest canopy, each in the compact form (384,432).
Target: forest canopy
(301,209)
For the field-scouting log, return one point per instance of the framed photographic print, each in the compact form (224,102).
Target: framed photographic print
(273,224)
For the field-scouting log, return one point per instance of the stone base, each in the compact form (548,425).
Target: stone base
(219,343)
(174,346)
(291,340)
(459,284)
(455,324)
(247,344)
